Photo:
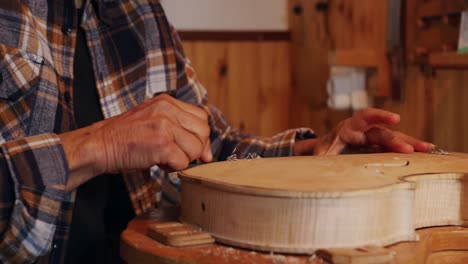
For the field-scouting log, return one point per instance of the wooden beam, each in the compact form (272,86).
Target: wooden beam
(448,60)
(356,58)
(236,35)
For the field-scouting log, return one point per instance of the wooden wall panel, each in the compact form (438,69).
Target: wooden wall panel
(433,107)
(450,99)
(251,81)
(311,44)
(248,80)
(357,24)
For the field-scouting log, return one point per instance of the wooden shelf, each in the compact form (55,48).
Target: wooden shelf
(448,60)
(356,58)
(367,59)
(441,8)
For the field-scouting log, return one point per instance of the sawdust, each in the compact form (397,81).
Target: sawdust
(233,255)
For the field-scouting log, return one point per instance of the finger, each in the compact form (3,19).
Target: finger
(191,118)
(372,116)
(384,137)
(190,108)
(194,125)
(417,144)
(189,143)
(424,146)
(173,157)
(207,155)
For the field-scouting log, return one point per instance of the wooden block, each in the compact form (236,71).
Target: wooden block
(365,255)
(178,235)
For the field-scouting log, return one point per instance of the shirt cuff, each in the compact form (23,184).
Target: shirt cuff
(38,163)
(283,144)
(39,172)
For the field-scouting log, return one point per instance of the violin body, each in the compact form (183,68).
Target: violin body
(301,204)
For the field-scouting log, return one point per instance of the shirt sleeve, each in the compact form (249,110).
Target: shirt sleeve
(226,140)
(33,175)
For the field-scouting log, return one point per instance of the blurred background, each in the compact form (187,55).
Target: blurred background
(270,65)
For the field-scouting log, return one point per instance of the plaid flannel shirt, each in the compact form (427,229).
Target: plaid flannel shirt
(135,55)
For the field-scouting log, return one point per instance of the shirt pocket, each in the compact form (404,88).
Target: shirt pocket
(20,75)
(19,72)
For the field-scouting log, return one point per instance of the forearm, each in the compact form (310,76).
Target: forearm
(82,154)
(305,147)
(288,143)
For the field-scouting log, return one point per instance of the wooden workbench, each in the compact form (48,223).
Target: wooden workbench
(436,245)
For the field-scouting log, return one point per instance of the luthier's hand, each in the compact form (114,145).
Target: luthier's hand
(163,131)
(365,129)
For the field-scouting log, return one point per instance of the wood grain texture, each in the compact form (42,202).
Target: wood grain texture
(449,244)
(364,255)
(325,176)
(138,248)
(427,29)
(248,80)
(299,204)
(433,107)
(311,43)
(357,58)
(361,26)
(347,26)
(448,60)
(178,235)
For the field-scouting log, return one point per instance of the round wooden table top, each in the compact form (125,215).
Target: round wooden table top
(447,244)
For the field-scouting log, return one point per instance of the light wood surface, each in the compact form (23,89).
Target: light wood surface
(299,204)
(328,176)
(178,235)
(435,245)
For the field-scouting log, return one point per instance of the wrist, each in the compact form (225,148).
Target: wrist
(331,143)
(83,155)
(305,147)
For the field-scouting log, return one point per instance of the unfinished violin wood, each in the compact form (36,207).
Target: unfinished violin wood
(300,204)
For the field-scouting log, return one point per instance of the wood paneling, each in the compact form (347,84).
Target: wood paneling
(248,80)
(432,26)
(251,81)
(433,107)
